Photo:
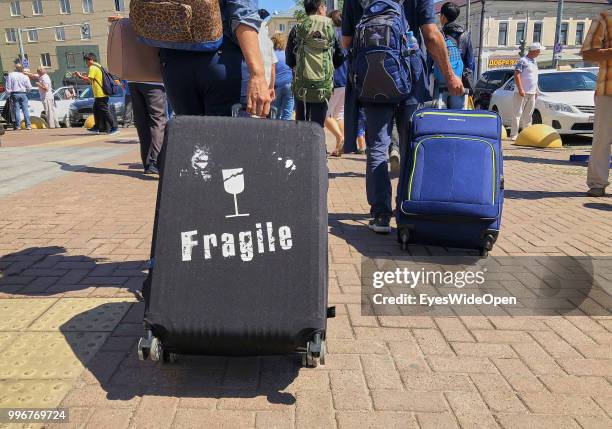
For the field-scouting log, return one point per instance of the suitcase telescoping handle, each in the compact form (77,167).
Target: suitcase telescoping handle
(239,111)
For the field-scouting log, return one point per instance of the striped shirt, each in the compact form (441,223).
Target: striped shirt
(598,37)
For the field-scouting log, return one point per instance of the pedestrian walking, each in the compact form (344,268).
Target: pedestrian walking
(284,101)
(18,85)
(419,15)
(45,91)
(313,52)
(525,89)
(208,82)
(335,115)
(150,117)
(597,47)
(460,52)
(104,119)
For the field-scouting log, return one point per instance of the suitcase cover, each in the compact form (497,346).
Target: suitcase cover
(239,255)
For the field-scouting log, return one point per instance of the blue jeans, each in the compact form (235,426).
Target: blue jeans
(21,103)
(379,124)
(284,102)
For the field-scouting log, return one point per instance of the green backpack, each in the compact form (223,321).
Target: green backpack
(314,71)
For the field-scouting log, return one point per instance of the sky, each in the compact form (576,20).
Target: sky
(272,5)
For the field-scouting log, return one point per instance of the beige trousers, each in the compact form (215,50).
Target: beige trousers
(523,111)
(49,106)
(599,161)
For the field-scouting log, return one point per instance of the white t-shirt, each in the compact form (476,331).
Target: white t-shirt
(267,51)
(45,79)
(528,68)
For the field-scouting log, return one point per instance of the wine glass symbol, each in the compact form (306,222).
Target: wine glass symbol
(233,182)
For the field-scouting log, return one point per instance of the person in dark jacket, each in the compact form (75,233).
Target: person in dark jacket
(315,112)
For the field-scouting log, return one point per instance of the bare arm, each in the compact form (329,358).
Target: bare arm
(519,83)
(258,93)
(436,46)
(597,55)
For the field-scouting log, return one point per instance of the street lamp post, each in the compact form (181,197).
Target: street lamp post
(556,55)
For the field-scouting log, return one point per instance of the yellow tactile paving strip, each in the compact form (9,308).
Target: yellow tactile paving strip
(82,314)
(49,355)
(17,314)
(45,344)
(33,393)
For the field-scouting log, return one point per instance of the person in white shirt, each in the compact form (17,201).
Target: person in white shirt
(18,85)
(525,89)
(45,90)
(267,53)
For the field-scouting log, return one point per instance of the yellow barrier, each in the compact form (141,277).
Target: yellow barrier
(37,123)
(90,122)
(539,135)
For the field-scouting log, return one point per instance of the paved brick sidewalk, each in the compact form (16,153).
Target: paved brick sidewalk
(73,252)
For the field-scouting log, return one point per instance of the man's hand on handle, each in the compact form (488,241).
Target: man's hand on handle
(258,96)
(455,86)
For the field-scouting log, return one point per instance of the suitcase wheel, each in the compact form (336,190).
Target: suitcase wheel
(488,245)
(150,347)
(315,352)
(403,238)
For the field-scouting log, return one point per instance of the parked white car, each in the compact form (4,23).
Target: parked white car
(35,106)
(566,101)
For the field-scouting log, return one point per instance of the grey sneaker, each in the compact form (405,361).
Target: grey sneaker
(380,224)
(596,192)
(394,160)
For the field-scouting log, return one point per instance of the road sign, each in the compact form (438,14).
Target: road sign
(558,48)
(25,63)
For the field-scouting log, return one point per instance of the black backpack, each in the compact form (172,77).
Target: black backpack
(108,84)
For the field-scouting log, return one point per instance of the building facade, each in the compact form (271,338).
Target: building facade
(60,50)
(282,22)
(505,23)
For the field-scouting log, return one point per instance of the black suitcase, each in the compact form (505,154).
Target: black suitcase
(239,254)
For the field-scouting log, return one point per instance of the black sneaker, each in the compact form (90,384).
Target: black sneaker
(380,224)
(152,169)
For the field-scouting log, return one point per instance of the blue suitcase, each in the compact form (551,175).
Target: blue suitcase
(451,189)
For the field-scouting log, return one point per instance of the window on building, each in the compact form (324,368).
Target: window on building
(563,34)
(37,8)
(281,28)
(502,38)
(45,60)
(88,6)
(64,6)
(32,35)
(70,60)
(60,34)
(119,6)
(520,32)
(15,6)
(85,32)
(579,33)
(11,35)
(537,32)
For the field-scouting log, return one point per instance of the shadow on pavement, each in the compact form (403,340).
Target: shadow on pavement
(97,170)
(538,195)
(598,206)
(549,161)
(103,330)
